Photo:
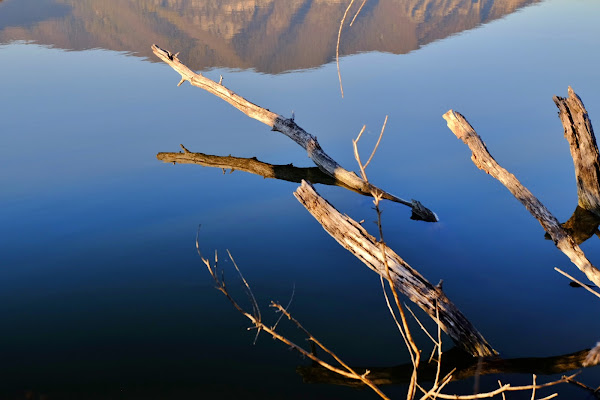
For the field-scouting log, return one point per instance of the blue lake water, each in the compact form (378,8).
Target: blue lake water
(102,292)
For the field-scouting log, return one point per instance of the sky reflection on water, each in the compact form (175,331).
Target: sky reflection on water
(100,283)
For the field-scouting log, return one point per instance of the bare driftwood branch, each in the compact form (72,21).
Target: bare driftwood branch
(287,172)
(483,160)
(289,128)
(584,150)
(359,242)
(462,366)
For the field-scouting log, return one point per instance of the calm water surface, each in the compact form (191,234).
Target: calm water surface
(102,294)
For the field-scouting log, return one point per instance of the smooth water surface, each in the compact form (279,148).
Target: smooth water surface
(102,292)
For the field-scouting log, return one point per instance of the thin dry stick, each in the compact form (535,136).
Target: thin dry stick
(533,390)
(337,47)
(258,324)
(357,155)
(553,395)
(389,305)
(420,324)
(411,345)
(286,307)
(586,287)
(358,12)
(376,144)
(434,391)
(595,392)
(505,388)
(439,344)
(503,395)
(247,286)
(362,377)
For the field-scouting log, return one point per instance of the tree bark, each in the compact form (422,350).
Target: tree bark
(353,237)
(289,128)
(484,161)
(584,150)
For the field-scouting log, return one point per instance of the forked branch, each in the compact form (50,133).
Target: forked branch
(288,127)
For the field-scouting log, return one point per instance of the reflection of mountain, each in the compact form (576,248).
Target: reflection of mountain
(268,35)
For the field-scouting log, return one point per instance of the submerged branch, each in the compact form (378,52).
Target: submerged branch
(407,280)
(462,366)
(484,161)
(288,127)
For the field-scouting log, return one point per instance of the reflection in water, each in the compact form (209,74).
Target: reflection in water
(582,225)
(28,14)
(455,361)
(268,35)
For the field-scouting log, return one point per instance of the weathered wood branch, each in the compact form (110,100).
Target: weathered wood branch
(463,365)
(287,172)
(483,160)
(353,237)
(584,150)
(289,128)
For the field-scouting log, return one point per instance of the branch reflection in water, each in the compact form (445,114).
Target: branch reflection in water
(464,365)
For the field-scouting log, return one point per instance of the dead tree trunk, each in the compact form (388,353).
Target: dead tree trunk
(584,150)
(353,237)
(483,160)
(288,127)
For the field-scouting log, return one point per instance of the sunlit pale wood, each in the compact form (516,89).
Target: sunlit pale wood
(353,237)
(584,150)
(484,161)
(288,127)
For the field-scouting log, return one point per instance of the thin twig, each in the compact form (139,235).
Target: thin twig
(357,154)
(378,141)
(553,395)
(362,377)
(286,307)
(505,388)
(533,390)
(503,395)
(337,47)
(439,344)
(258,324)
(358,12)
(248,290)
(412,347)
(586,287)
(420,324)
(390,308)
(595,392)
